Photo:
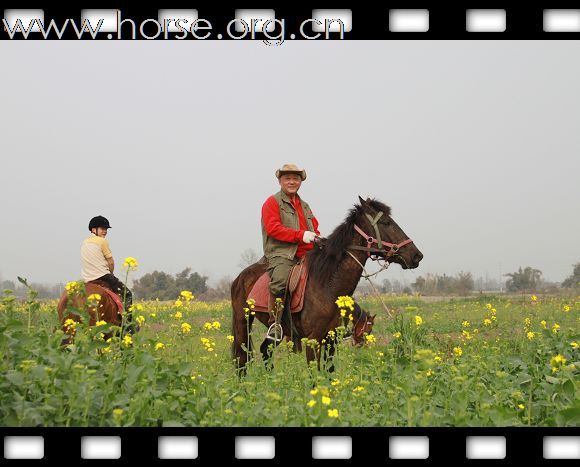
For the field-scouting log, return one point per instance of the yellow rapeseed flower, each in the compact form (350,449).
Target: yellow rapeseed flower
(94,297)
(487,322)
(130,263)
(230,338)
(397,335)
(127,340)
(566,308)
(325,400)
(534,298)
(489,306)
(185,328)
(555,328)
(465,324)
(345,301)
(178,315)
(159,346)
(311,403)
(521,406)
(358,389)
(531,335)
(100,323)
(314,391)
(216,325)
(140,320)
(333,413)
(558,360)
(457,351)
(187,295)
(544,323)
(574,344)
(178,303)
(418,320)
(370,339)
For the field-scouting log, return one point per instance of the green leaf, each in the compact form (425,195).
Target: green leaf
(569,388)
(569,416)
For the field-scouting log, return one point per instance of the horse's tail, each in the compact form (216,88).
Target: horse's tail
(233,290)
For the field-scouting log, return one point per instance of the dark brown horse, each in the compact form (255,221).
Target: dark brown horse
(69,305)
(334,270)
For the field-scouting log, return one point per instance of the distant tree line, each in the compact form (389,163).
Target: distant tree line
(434,284)
(164,286)
(159,284)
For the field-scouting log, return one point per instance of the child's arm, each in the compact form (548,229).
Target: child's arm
(111,263)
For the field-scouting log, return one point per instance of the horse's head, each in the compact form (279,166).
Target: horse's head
(363,325)
(381,235)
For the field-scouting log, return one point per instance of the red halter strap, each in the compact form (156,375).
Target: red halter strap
(393,248)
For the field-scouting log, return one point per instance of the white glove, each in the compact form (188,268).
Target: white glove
(308,236)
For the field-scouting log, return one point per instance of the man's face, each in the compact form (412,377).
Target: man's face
(290,183)
(100,232)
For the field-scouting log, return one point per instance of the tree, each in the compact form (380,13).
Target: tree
(247,258)
(528,279)
(386,286)
(463,283)
(163,286)
(574,280)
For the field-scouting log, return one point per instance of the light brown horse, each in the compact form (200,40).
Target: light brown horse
(107,309)
(334,270)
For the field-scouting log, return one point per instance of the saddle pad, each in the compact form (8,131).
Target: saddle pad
(111,294)
(261,292)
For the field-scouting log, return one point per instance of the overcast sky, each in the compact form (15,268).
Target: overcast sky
(474,145)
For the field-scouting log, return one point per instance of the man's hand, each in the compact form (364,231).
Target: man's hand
(308,237)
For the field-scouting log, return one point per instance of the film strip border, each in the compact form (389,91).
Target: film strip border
(420,22)
(303,446)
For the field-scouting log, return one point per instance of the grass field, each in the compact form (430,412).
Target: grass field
(488,361)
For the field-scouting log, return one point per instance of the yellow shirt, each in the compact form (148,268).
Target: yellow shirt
(94,254)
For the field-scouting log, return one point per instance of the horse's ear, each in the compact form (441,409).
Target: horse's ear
(363,203)
(373,316)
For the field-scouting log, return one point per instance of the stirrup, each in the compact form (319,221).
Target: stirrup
(271,332)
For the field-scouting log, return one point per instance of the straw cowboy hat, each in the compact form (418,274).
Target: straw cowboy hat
(291,169)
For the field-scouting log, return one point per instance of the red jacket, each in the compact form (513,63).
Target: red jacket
(275,228)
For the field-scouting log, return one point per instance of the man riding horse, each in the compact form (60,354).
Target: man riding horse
(288,232)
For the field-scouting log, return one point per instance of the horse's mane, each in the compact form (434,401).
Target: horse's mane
(324,262)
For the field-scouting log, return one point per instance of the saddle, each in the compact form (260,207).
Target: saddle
(295,287)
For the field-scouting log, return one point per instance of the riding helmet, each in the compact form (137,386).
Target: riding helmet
(99,221)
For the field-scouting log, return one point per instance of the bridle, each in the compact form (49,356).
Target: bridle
(385,250)
(357,335)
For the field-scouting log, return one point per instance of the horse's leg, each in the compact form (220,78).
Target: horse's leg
(242,343)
